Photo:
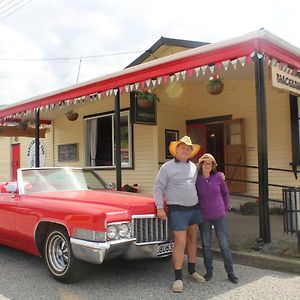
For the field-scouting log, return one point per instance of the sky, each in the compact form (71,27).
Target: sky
(42,41)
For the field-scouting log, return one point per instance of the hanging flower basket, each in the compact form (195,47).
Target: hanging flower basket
(145,99)
(22,125)
(215,85)
(72,115)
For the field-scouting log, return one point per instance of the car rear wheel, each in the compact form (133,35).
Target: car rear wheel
(60,260)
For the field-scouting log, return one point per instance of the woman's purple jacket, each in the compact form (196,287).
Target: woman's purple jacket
(213,196)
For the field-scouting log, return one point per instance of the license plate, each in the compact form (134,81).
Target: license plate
(164,249)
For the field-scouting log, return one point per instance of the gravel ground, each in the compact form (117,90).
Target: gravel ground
(26,277)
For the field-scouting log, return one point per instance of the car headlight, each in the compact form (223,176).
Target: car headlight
(123,230)
(112,232)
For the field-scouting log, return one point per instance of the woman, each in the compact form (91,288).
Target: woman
(213,197)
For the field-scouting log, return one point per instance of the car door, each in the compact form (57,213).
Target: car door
(8,218)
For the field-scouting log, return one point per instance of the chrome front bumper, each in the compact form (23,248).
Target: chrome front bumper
(97,252)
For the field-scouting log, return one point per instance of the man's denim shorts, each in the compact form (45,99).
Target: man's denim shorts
(182,219)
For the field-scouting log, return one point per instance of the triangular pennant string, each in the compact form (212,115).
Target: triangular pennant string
(242,60)
(165,78)
(171,78)
(203,69)
(248,59)
(148,82)
(225,64)
(183,74)
(121,88)
(234,63)
(219,66)
(153,82)
(159,79)
(212,69)
(190,72)
(177,76)
(115,91)
(136,85)
(131,87)
(197,71)
(127,88)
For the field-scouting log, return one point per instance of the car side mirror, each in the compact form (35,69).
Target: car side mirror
(11,187)
(111,186)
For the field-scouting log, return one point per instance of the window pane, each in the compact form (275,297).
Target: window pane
(233,134)
(125,141)
(104,143)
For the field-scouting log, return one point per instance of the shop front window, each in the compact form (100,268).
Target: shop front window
(100,140)
(295,127)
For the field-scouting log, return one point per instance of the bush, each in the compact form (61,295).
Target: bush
(249,208)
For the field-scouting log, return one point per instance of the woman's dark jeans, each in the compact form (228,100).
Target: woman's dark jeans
(221,229)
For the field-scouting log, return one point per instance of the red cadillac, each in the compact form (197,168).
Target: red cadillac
(70,217)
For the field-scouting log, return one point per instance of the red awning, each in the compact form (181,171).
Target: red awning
(261,41)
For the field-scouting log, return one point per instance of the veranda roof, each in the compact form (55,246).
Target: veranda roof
(214,56)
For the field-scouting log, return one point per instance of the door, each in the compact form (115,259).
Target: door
(15,160)
(7,218)
(197,133)
(234,150)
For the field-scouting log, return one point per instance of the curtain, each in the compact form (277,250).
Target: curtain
(93,141)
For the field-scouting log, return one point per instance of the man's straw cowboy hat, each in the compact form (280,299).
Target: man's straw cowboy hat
(185,140)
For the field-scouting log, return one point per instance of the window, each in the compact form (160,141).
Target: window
(100,140)
(295,125)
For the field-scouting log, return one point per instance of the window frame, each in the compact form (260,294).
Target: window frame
(130,140)
(295,130)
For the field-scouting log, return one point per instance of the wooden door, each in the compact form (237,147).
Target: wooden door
(197,133)
(234,152)
(15,160)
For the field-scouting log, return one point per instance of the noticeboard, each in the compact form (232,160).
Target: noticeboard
(68,152)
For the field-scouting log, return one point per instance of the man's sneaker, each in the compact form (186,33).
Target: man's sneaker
(233,278)
(177,286)
(197,277)
(208,276)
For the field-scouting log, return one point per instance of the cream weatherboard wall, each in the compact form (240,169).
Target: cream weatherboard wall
(145,144)
(5,150)
(5,159)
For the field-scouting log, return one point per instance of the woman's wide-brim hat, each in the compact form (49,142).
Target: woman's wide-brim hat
(207,157)
(185,140)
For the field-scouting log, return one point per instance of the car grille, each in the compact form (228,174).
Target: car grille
(150,229)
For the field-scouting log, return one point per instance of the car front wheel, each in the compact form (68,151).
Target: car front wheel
(60,260)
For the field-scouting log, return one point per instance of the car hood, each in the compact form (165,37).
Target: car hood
(109,201)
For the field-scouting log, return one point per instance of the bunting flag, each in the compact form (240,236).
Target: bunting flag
(234,63)
(197,71)
(171,78)
(177,76)
(242,60)
(159,79)
(226,64)
(183,74)
(203,69)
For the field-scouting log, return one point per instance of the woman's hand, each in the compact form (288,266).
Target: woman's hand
(161,214)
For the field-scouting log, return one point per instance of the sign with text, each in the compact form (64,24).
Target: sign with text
(143,111)
(283,80)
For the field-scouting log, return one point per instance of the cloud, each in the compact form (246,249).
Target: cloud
(61,28)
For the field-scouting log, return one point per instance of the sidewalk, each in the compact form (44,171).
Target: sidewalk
(281,254)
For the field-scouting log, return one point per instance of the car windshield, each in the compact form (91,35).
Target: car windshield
(59,180)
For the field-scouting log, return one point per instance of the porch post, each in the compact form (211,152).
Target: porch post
(118,141)
(262,149)
(37,138)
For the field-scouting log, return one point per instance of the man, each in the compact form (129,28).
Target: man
(176,180)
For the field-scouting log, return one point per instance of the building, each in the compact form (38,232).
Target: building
(251,126)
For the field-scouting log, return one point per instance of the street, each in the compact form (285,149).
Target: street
(25,277)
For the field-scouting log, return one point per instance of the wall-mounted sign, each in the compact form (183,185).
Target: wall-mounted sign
(68,152)
(31,154)
(143,110)
(283,80)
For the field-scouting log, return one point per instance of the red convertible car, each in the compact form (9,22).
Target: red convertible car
(70,217)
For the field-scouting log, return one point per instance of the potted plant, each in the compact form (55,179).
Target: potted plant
(145,98)
(72,115)
(215,84)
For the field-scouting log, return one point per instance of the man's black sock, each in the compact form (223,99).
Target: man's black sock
(178,274)
(191,268)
